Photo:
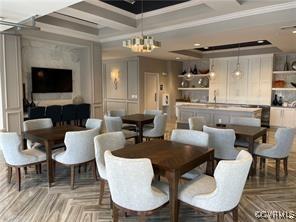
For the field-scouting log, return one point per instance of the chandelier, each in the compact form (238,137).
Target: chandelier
(142,43)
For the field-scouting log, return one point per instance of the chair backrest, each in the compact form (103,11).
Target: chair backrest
(245,121)
(11,145)
(130,182)
(82,111)
(113,124)
(159,124)
(35,124)
(152,112)
(93,123)
(80,146)
(284,138)
(196,123)
(36,112)
(192,137)
(69,112)
(107,141)
(54,112)
(222,140)
(116,113)
(230,177)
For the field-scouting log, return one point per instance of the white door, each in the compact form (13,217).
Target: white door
(151,90)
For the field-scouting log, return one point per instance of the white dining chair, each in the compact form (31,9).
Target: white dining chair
(130,185)
(114,124)
(92,123)
(79,150)
(194,138)
(159,127)
(197,123)
(36,124)
(279,151)
(244,121)
(222,193)
(107,141)
(120,113)
(16,157)
(152,112)
(222,141)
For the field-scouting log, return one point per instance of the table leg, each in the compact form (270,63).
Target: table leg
(210,165)
(173,178)
(48,146)
(264,137)
(251,151)
(140,137)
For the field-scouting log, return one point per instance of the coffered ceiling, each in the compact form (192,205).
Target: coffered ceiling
(177,26)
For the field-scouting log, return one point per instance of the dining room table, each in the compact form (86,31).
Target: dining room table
(171,160)
(139,120)
(49,137)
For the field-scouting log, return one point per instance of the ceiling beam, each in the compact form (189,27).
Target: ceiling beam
(102,16)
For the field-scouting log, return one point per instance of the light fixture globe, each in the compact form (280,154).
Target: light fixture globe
(237,73)
(188,76)
(212,73)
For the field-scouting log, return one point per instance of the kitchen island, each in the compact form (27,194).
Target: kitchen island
(214,113)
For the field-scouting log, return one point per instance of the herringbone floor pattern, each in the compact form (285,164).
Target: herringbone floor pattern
(38,203)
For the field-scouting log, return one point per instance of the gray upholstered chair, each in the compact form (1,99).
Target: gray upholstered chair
(221,193)
(114,124)
(16,157)
(79,150)
(130,185)
(244,121)
(120,113)
(280,151)
(158,129)
(152,112)
(94,123)
(222,140)
(195,138)
(107,141)
(196,123)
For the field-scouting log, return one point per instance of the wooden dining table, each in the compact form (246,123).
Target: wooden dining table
(139,120)
(172,160)
(50,137)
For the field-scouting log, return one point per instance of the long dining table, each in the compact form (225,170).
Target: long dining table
(172,160)
(50,137)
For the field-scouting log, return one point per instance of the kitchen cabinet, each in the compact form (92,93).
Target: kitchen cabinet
(283,117)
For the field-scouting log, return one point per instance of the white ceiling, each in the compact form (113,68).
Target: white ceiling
(178,27)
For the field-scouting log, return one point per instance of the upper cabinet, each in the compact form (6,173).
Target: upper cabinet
(253,88)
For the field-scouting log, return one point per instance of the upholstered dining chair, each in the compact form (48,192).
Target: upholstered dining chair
(152,112)
(107,141)
(279,151)
(130,186)
(196,123)
(120,113)
(221,193)
(79,150)
(195,138)
(158,130)
(222,140)
(92,123)
(244,121)
(16,157)
(114,124)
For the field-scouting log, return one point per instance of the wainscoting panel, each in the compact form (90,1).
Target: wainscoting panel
(132,107)
(115,105)
(132,85)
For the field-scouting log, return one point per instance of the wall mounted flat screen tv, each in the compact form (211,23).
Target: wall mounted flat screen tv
(47,80)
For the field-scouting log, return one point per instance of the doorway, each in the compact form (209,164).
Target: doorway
(151,82)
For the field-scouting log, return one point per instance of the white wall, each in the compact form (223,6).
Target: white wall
(38,53)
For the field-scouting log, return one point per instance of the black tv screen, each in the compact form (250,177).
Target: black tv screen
(47,80)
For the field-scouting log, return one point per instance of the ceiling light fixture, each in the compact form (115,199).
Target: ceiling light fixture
(206,47)
(196,44)
(237,73)
(178,58)
(212,73)
(260,41)
(143,43)
(294,32)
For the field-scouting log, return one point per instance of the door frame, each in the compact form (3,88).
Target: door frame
(157,88)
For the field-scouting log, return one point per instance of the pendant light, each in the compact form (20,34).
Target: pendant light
(188,76)
(212,73)
(142,43)
(237,73)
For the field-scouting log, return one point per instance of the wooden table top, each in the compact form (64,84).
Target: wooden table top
(138,117)
(51,134)
(167,155)
(251,131)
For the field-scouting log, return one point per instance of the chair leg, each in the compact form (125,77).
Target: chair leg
(85,167)
(255,162)
(54,163)
(26,170)
(18,178)
(261,162)
(102,189)
(36,169)
(286,166)
(114,213)
(277,169)
(9,174)
(72,176)
(142,217)
(235,214)
(79,168)
(94,169)
(220,217)
(40,168)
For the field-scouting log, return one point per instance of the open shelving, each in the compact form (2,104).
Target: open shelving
(197,75)
(284,89)
(284,72)
(193,89)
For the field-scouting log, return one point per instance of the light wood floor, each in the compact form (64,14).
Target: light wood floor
(38,203)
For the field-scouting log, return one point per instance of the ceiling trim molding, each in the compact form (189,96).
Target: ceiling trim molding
(215,19)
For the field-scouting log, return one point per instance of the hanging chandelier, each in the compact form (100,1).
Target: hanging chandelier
(237,73)
(142,43)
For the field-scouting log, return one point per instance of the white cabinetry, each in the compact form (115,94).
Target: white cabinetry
(282,117)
